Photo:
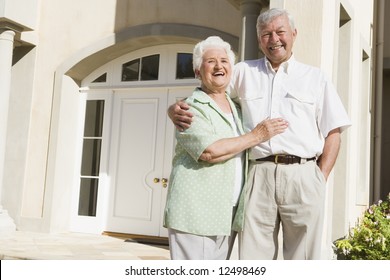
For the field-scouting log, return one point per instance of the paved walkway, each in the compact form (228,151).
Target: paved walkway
(75,246)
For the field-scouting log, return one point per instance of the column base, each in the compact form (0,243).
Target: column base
(6,222)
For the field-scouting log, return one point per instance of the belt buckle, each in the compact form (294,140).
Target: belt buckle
(276,159)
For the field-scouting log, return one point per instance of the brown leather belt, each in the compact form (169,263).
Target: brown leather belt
(285,159)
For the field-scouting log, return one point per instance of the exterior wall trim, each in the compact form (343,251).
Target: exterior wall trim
(133,38)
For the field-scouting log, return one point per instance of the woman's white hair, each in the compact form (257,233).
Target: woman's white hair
(267,16)
(211,42)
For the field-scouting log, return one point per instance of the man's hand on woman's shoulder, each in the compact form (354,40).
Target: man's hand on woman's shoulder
(180,115)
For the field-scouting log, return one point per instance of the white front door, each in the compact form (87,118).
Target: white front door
(142,142)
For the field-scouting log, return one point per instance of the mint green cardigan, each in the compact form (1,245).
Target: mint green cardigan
(200,194)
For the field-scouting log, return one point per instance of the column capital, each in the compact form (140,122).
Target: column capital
(10,25)
(7,34)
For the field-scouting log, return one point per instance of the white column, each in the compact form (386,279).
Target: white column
(6,50)
(250,10)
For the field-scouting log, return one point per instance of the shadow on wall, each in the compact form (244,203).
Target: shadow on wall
(385,175)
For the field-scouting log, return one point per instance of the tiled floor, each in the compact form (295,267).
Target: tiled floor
(75,246)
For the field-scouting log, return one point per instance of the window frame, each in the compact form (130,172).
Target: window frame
(166,74)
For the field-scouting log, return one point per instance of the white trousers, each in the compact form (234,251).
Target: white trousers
(186,246)
(289,195)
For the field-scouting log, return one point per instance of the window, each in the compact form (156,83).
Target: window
(101,79)
(130,71)
(184,69)
(141,69)
(90,165)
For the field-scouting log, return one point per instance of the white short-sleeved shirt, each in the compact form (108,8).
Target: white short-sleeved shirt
(299,93)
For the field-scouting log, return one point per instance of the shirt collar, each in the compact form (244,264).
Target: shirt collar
(285,66)
(203,97)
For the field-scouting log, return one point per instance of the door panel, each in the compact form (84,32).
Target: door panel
(142,148)
(137,158)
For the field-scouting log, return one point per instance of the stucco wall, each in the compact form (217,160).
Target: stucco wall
(21,12)
(217,14)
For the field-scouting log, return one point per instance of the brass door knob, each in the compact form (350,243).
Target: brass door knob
(164,182)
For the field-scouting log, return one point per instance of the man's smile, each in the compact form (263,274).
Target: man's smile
(273,48)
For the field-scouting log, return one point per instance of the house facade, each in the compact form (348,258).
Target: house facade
(85,142)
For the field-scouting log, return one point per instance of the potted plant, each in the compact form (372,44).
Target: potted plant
(370,238)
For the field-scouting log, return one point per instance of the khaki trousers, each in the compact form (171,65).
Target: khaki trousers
(187,246)
(289,195)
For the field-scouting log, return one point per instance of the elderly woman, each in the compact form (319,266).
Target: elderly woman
(207,172)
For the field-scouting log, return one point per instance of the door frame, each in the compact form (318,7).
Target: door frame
(96,224)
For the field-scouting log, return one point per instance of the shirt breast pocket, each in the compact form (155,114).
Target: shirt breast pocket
(299,102)
(253,109)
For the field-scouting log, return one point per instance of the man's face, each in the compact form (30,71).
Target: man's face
(276,40)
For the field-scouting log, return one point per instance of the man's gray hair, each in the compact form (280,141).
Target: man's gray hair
(211,42)
(267,16)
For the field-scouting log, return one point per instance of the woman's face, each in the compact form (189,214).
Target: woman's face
(215,70)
